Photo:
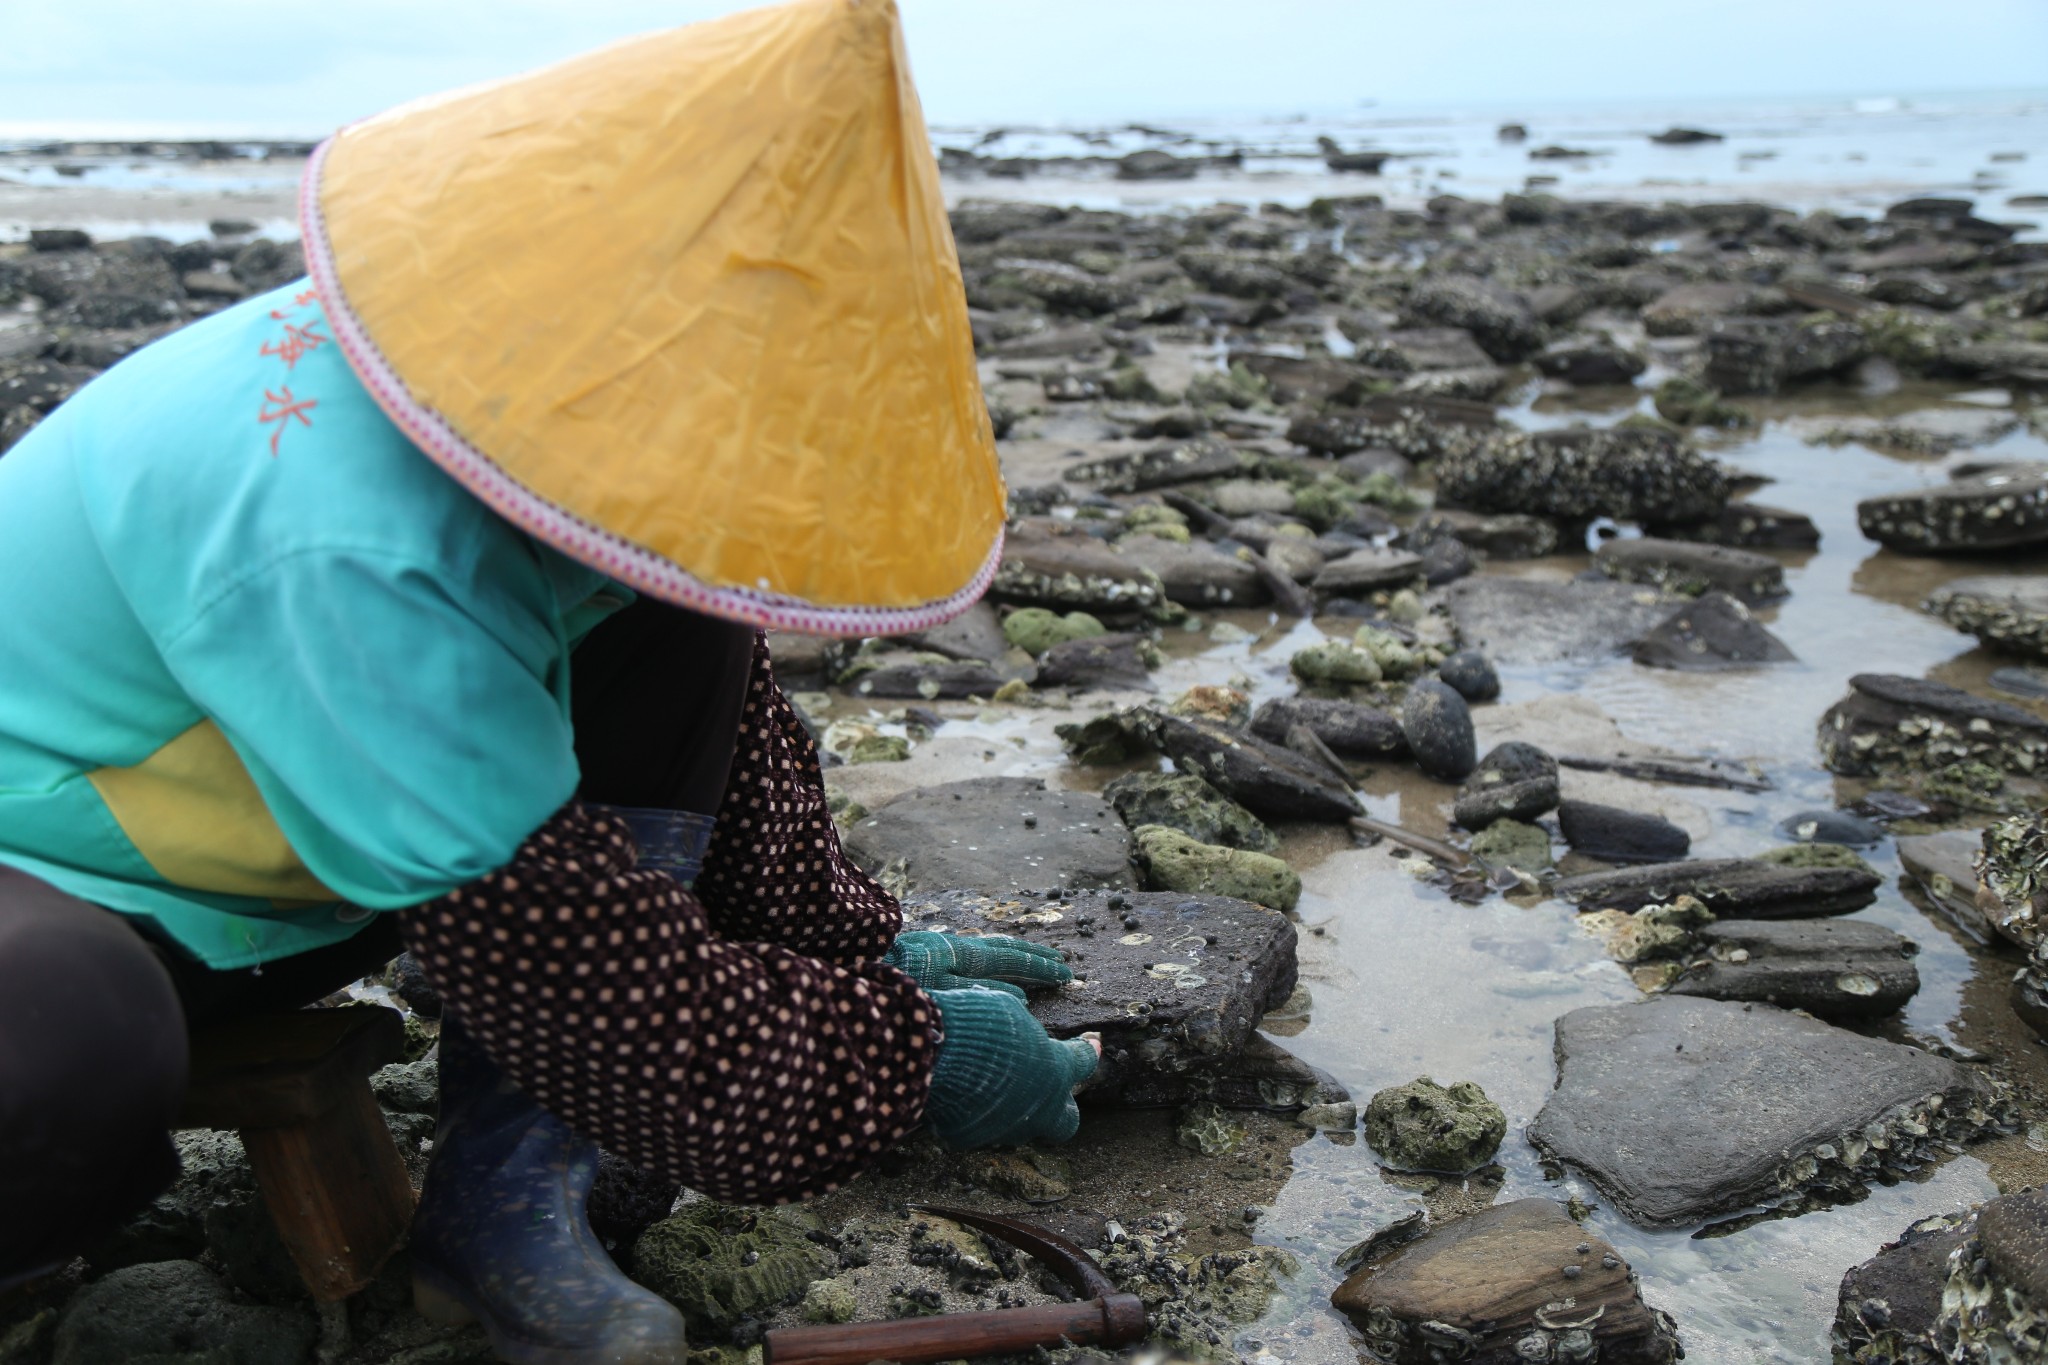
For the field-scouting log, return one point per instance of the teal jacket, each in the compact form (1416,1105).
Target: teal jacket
(264,668)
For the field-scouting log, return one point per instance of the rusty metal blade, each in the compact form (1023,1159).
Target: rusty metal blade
(1066,1260)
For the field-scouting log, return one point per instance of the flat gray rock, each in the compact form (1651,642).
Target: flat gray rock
(1173,982)
(1838,969)
(1751,526)
(975,635)
(1681,1109)
(1944,866)
(1115,660)
(1733,888)
(1532,621)
(1046,566)
(1690,568)
(1163,466)
(1198,574)
(930,682)
(997,835)
(1367,571)
(2006,613)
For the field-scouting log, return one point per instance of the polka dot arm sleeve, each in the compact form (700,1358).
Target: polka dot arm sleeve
(775,871)
(746,1071)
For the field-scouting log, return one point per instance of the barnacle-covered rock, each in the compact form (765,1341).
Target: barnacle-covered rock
(1197,1304)
(1887,1307)
(1174,862)
(1689,568)
(1891,724)
(1733,888)
(1516,1284)
(1991,512)
(1423,1126)
(1994,1308)
(1682,1108)
(2007,613)
(1628,473)
(1418,427)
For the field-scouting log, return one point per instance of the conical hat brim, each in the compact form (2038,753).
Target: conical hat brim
(687,308)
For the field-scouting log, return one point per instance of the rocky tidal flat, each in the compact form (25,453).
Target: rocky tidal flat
(1527,718)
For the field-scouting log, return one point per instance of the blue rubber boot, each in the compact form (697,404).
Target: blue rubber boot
(502,1238)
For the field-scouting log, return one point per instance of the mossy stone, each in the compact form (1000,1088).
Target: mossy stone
(1173,862)
(1335,662)
(1688,402)
(828,1301)
(720,1264)
(1236,387)
(1395,659)
(1035,629)
(1184,802)
(1423,1126)
(1512,843)
(879,749)
(1815,855)
(1208,1128)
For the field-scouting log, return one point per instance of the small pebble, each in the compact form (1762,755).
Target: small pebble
(1571,1272)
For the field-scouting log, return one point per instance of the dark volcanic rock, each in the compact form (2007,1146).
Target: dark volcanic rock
(1590,360)
(1259,1075)
(1499,319)
(1715,633)
(1438,725)
(1114,661)
(176,1311)
(1173,982)
(1889,722)
(1682,1108)
(1491,1289)
(1750,526)
(2007,613)
(1350,729)
(1831,827)
(1733,888)
(1689,569)
(1184,802)
(998,835)
(1995,512)
(1752,355)
(1271,781)
(1888,1305)
(1163,467)
(1621,836)
(626,1201)
(1628,473)
(1471,675)
(1515,781)
(1531,621)
(1837,969)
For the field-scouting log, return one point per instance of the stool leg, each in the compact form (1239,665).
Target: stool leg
(337,1190)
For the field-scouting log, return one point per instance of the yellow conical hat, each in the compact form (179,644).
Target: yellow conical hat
(688,309)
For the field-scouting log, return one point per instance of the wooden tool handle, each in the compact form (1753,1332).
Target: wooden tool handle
(1113,1321)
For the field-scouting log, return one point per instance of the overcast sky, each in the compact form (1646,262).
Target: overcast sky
(304,66)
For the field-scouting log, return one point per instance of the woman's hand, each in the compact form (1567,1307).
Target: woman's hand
(999,1079)
(947,962)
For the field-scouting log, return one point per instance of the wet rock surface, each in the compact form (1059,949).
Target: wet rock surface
(1532,621)
(1517,1282)
(1186,803)
(1991,513)
(1888,1306)
(1633,474)
(1689,569)
(1890,723)
(1350,729)
(1621,836)
(1173,982)
(1438,727)
(1681,1108)
(1423,1126)
(1837,969)
(1515,781)
(1733,888)
(1715,634)
(995,834)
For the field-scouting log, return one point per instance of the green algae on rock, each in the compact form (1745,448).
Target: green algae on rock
(1208,1128)
(1688,402)
(1186,803)
(1815,855)
(828,1301)
(1036,629)
(1174,862)
(1423,1126)
(720,1264)
(1335,662)
(1511,843)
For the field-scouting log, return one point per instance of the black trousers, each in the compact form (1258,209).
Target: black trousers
(95,1013)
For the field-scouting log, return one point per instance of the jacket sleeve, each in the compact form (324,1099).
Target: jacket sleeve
(775,871)
(746,1071)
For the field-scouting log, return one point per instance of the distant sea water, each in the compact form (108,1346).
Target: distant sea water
(1848,155)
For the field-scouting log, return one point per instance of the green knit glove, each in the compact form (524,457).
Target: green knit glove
(999,1080)
(951,962)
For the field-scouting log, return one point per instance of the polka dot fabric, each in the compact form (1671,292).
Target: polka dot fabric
(740,1040)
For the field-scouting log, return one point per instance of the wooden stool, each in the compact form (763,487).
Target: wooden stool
(296,1086)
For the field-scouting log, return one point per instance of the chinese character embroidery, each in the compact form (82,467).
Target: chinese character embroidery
(280,408)
(297,340)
